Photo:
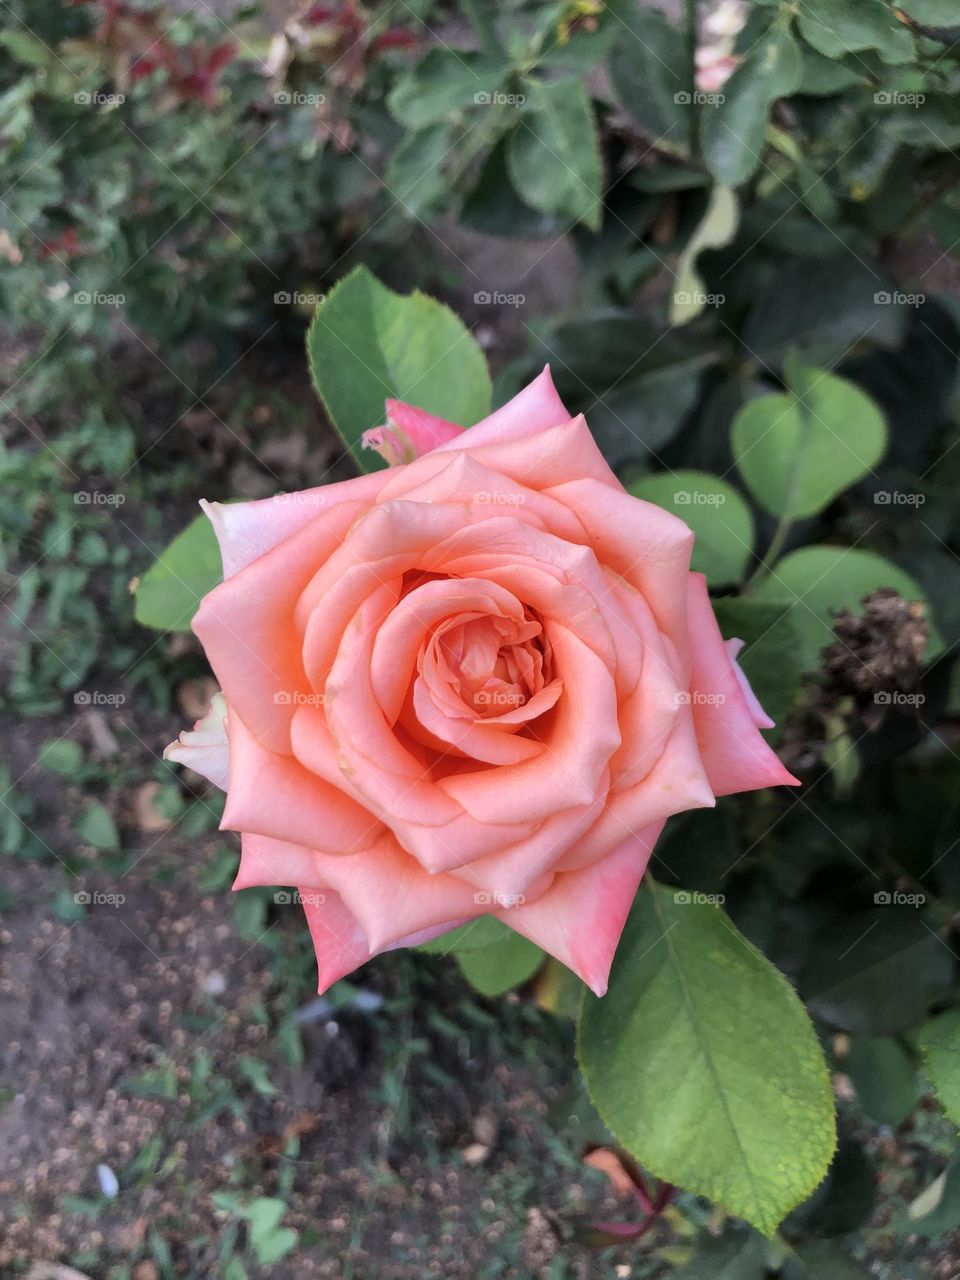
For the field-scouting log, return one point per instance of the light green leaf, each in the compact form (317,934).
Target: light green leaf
(26,48)
(268,1239)
(415,176)
(816,582)
(717,227)
(477,935)
(703,1063)
(769,658)
(836,27)
(939,1041)
(798,450)
(169,592)
(650,74)
(367,344)
(494,970)
(553,155)
(716,513)
(97,827)
(733,130)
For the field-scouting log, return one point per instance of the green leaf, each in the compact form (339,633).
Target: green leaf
(61,755)
(477,935)
(443,84)
(494,207)
(885,1078)
(733,131)
(798,450)
(650,74)
(877,972)
(703,1063)
(937,1209)
(26,48)
(645,411)
(823,1261)
(268,1239)
(836,27)
(367,344)
(169,592)
(825,77)
(714,510)
(716,228)
(769,658)
(494,970)
(816,582)
(939,1041)
(742,1257)
(415,175)
(553,155)
(97,827)
(933,123)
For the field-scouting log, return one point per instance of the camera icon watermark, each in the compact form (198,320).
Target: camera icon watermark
(896,98)
(84,898)
(698,498)
(485,298)
(298,299)
(686,298)
(498,99)
(97,698)
(693,898)
(896,698)
(86,298)
(698,698)
(97,498)
(293,98)
(884,898)
(502,901)
(898,498)
(296,897)
(896,298)
(83,98)
(698,98)
(297,698)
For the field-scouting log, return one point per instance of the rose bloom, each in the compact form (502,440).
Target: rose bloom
(477,682)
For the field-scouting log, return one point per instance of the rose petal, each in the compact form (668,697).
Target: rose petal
(204,748)
(532,410)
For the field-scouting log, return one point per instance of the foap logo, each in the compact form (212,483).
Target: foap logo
(895,98)
(490,498)
(897,899)
(98,698)
(303,499)
(693,898)
(86,298)
(85,99)
(896,698)
(484,99)
(896,298)
(698,99)
(698,698)
(97,498)
(297,698)
(488,898)
(698,498)
(298,299)
(500,698)
(87,898)
(296,898)
(898,498)
(293,98)
(483,298)
(686,298)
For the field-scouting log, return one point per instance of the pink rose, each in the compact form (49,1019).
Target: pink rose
(477,682)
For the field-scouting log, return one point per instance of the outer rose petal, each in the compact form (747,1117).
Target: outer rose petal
(534,409)
(760,717)
(580,918)
(204,748)
(246,530)
(734,753)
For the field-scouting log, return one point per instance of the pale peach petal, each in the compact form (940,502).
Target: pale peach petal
(274,795)
(581,735)
(388,892)
(245,627)
(533,410)
(645,544)
(338,940)
(760,717)
(204,748)
(246,530)
(734,752)
(580,918)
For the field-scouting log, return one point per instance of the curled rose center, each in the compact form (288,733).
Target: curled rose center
(493,665)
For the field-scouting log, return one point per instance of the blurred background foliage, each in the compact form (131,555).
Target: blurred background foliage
(731,231)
